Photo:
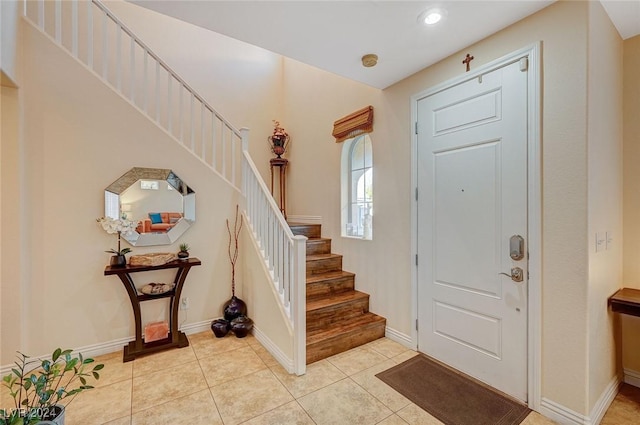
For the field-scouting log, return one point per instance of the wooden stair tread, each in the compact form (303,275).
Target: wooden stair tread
(338,298)
(316,257)
(328,276)
(311,240)
(344,326)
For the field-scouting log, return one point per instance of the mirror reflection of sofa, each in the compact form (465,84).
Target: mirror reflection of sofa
(158,222)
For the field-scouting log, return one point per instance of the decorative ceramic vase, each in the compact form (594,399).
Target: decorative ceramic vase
(278,144)
(118,261)
(233,308)
(183,255)
(220,328)
(241,326)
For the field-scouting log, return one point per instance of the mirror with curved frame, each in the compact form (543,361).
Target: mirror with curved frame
(163,205)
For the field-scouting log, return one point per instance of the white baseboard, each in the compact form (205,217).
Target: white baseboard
(564,415)
(95,350)
(561,414)
(632,377)
(274,350)
(304,219)
(399,337)
(605,400)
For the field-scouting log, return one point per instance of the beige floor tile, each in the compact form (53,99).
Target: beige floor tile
(387,395)
(122,421)
(167,384)
(265,355)
(250,396)
(319,375)
(400,358)
(160,360)
(344,402)
(413,415)
(114,369)
(535,418)
(206,344)
(356,360)
(100,405)
(197,408)
(231,365)
(388,348)
(287,414)
(393,420)
(625,408)
(252,341)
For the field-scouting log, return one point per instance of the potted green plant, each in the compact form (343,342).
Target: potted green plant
(39,386)
(184,251)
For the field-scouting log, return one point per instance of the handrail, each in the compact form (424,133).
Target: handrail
(283,252)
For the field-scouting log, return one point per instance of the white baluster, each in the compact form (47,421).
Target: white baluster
(145,79)
(58,21)
(132,71)
(105,46)
(119,60)
(90,35)
(74,28)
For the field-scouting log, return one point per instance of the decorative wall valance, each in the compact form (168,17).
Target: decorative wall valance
(354,124)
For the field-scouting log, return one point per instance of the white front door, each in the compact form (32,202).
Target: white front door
(472,185)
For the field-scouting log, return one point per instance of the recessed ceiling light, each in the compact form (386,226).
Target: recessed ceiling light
(431,16)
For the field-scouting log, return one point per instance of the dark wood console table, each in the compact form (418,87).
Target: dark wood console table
(176,338)
(626,301)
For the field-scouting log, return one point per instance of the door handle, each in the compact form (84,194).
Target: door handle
(517,274)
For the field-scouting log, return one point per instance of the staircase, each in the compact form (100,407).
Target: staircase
(338,316)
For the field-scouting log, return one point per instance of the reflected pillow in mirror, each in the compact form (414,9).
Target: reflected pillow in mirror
(155,218)
(174,220)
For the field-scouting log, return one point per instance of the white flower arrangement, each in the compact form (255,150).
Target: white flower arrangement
(119,226)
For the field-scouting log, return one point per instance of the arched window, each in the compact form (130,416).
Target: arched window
(357,188)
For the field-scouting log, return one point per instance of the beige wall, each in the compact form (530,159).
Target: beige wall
(631,278)
(605,195)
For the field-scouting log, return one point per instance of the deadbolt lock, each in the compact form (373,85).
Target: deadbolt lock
(516,247)
(517,274)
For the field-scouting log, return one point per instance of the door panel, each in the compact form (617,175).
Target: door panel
(472,180)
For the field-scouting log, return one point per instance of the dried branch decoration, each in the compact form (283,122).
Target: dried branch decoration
(233,256)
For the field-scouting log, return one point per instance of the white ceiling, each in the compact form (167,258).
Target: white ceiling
(334,35)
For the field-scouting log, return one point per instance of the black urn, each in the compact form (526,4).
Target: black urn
(233,308)
(220,327)
(241,326)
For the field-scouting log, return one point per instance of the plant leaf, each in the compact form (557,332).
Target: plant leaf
(56,354)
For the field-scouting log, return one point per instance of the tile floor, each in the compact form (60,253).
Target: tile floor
(232,381)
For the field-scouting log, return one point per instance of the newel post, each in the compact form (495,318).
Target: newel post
(299,304)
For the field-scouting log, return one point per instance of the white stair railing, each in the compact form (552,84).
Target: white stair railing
(95,37)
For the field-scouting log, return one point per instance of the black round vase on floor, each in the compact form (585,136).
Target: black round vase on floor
(220,327)
(241,326)
(235,307)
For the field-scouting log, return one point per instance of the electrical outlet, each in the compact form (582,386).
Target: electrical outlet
(184,303)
